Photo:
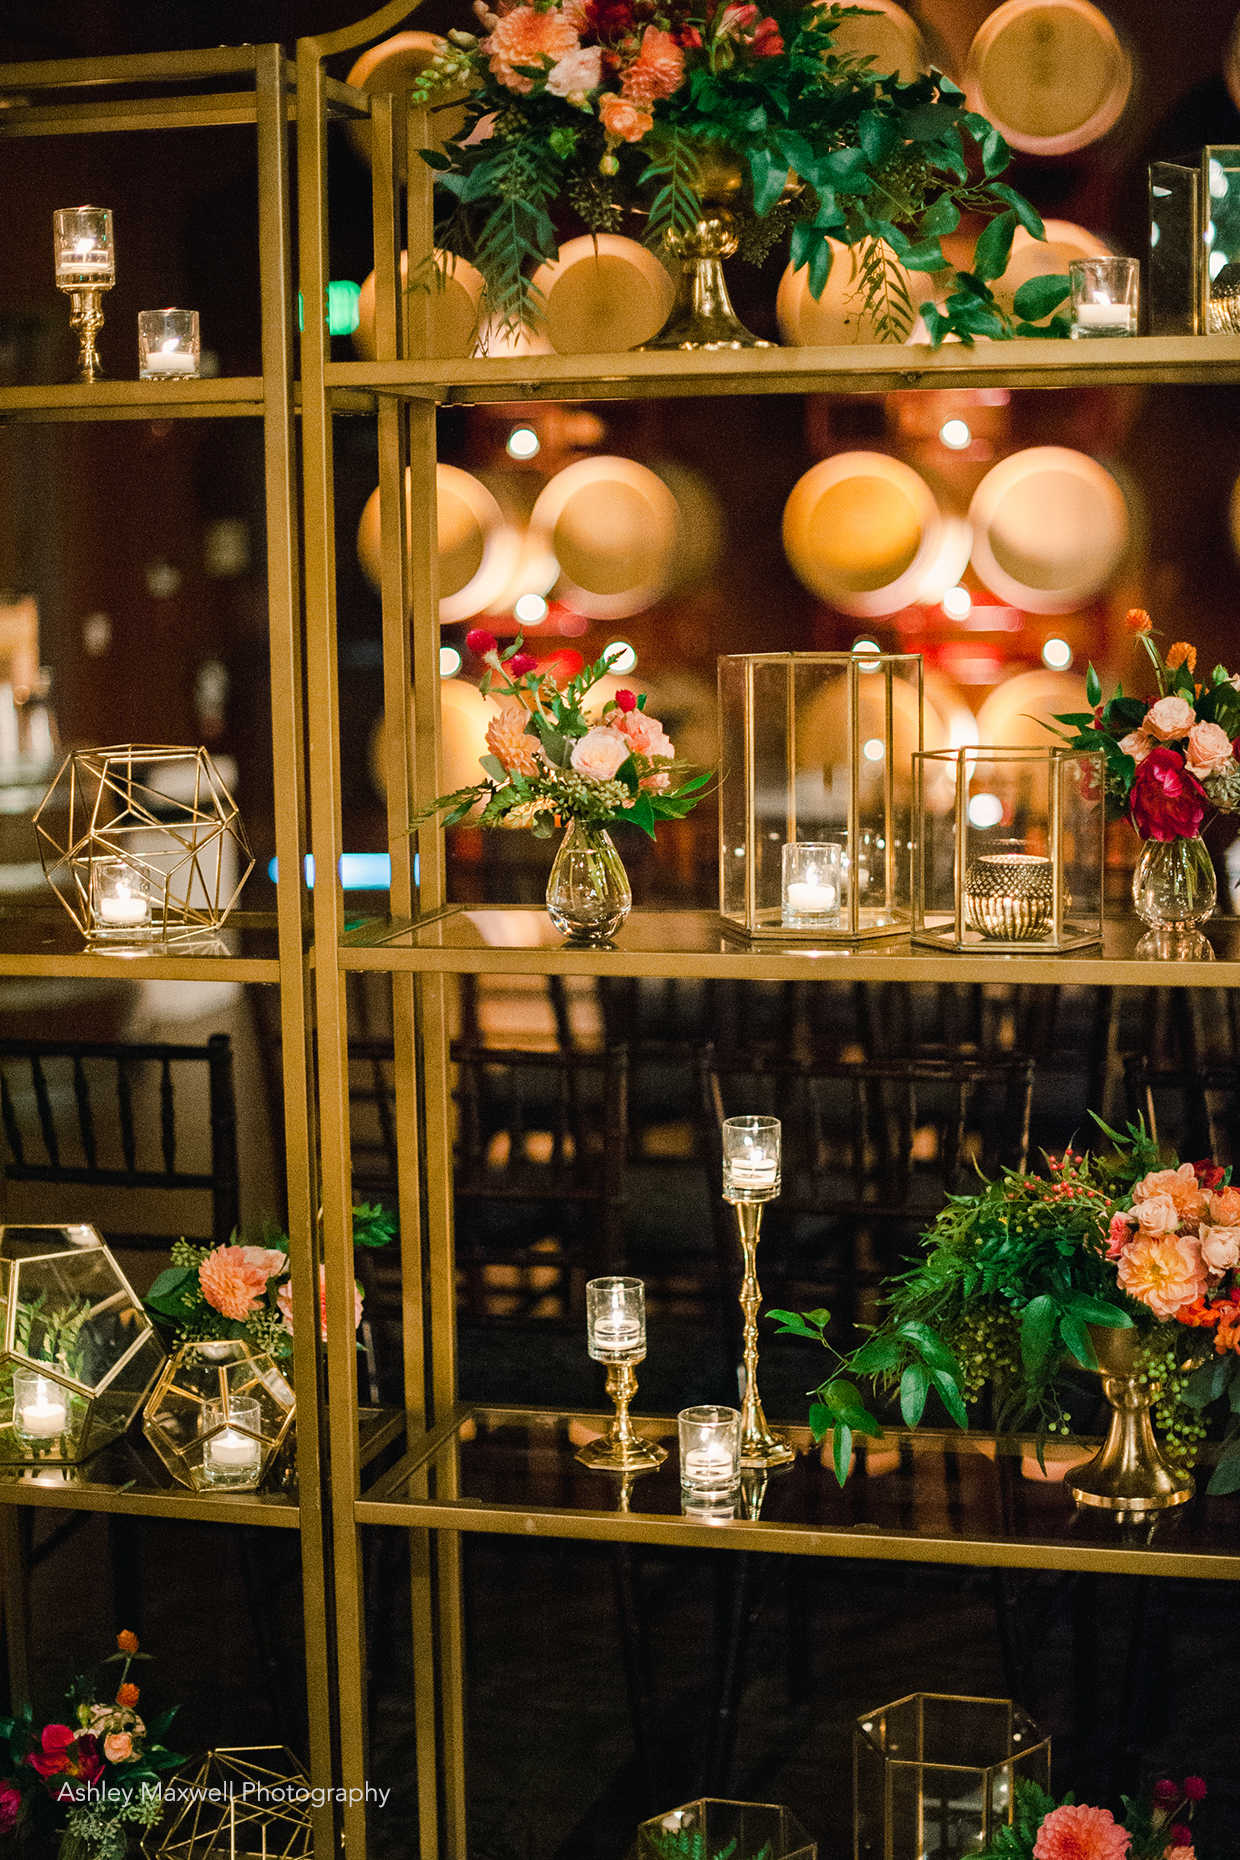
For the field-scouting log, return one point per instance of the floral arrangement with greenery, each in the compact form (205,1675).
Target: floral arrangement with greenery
(1170,755)
(94,1777)
(243,1291)
(1155,1827)
(549,761)
(615,105)
(1012,1277)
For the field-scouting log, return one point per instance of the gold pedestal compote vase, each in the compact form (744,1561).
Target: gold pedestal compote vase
(751,1175)
(1128,1474)
(702,316)
(616,1337)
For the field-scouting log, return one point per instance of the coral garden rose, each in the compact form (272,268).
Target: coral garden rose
(1137,745)
(1162,1272)
(527,36)
(230,1284)
(10,1806)
(1157,1214)
(1220,1247)
(118,1747)
(624,121)
(1224,1206)
(1169,718)
(1079,1832)
(284,1304)
(599,753)
(576,74)
(268,1259)
(658,69)
(1180,1184)
(646,734)
(1207,750)
(1165,802)
(1181,1853)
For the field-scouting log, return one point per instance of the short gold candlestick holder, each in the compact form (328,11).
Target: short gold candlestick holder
(751,1176)
(86,320)
(85,254)
(616,1337)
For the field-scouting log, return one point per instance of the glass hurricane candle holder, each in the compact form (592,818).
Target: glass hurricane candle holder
(120,903)
(751,1158)
(616,1336)
(40,1408)
(232,1443)
(1105,296)
(710,1827)
(168,345)
(751,1178)
(85,258)
(710,1450)
(813,884)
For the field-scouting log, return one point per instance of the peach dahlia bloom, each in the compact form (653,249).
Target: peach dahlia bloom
(507,740)
(527,37)
(1078,1832)
(658,69)
(1162,1272)
(624,121)
(232,1284)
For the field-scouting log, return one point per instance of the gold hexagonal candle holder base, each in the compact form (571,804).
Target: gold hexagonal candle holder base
(78,1352)
(219,1415)
(245,1803)
(142,843)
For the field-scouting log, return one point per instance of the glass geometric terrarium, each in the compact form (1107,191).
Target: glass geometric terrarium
(1007,849)
(711,1829)
(935,1776)
(79,1352)
(219,1415)
(142,842)
(815,793)
(247,1803)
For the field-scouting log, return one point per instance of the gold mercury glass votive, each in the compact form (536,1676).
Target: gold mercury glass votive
(1009,895)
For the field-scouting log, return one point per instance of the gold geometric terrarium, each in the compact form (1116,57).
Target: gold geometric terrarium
(79,1352)
(219,1415)
(247,1803)
(142,842)
(710,1827)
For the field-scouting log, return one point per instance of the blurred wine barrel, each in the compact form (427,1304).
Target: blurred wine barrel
(887,35)
(455,295)
(612,525)
(840,314)
(860,530)
(1050,529)
(391,67)
(1037,258)
(603,294)
(1051,75)
(478,548)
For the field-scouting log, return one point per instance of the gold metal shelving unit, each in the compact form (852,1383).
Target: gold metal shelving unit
(252,87)
(513,1471)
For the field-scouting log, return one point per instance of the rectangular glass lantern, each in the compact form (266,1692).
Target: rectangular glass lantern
(1176,254)
(711,1828)
(815,754)
(935,1777)
(1220,237)
(1007,849)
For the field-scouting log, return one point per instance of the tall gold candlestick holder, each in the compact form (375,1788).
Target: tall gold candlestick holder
(85,254)
(751,1176)
(616,1337)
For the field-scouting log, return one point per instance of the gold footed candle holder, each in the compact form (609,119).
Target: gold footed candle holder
(1128,1474)
(621,1450)
(85,258)
(616,1337)
(86,319)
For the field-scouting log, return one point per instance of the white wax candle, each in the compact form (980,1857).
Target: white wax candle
(1103,316)
(233,1450)
(709,1465)
(617,1333)
(72,264)
(168,362)
(807,899)
(124,908)
(43,1416)
(751,1171)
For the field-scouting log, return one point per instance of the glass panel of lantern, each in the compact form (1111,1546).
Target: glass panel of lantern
(1008,849)
(815,752)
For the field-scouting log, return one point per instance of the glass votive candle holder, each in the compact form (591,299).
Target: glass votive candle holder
(813,884)
(710,1450)
(1009,894)
(121,907)
(40,1408)
(84,249)
(616,1320)
(1105,296)
(168,345)
(751,1150)
(232,1453)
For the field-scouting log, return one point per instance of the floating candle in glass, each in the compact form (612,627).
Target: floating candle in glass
(751,1158)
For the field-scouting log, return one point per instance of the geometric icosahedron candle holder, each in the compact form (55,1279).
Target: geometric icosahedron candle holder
(141,842)
(219,1415)
(79,1352)
(249,1801)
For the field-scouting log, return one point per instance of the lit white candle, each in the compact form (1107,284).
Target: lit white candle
(1104,316)
(44,1414)
(752,1171)
(811,900)
(233,1451)
(124,908)
(168,362)
(617,1332)
(709,1465)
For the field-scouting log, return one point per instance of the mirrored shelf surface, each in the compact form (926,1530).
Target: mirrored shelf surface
(43,940)
(128,1477)
(923,1497)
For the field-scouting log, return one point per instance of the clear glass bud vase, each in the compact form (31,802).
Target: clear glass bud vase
(1173,887)
(588,895)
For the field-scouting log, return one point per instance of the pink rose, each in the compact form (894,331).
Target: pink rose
(1224,1205)
(645,733)
(1220,1247)
(1136,744)
(1169,718)
(1157,1214)
(10,1806)
(118,1747)
(268,1259)
(1164,1272)
(1119,1233)
(577,72)
(284,1304)
(599,753)
(1207,750)
(624,121)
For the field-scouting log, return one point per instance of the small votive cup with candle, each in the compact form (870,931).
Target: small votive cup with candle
(168,345)
(85,252)
(1105,296)
(813,884)
(751,1153)
(121,908)
(616,1320)
(40,1408)
(710,1450)
(232,1452)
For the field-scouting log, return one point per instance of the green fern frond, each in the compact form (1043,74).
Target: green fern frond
(676,175)
(882,287)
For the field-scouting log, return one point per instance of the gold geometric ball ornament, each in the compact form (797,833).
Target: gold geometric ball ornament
(219,1415)
(142,841)
(78,1352)
(246,1803)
